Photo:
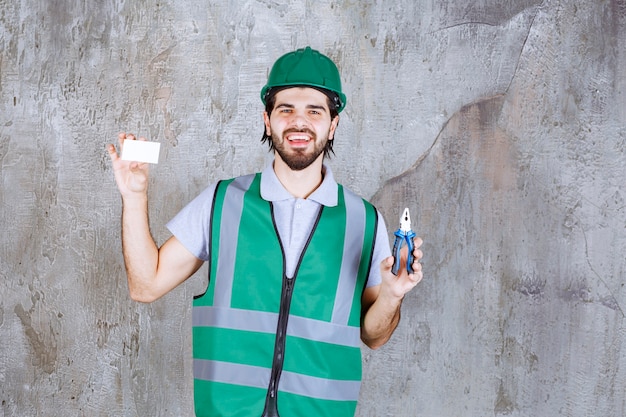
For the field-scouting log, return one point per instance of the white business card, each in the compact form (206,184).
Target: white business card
(141,151)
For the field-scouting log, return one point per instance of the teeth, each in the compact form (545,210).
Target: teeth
(294,137)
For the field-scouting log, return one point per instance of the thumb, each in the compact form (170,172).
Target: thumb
(387,264)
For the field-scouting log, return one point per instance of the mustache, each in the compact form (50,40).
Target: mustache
(302,130)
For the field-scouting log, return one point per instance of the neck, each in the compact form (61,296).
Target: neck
(300,184)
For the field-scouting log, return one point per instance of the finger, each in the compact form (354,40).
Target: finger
(386,264)
(112,152)
(417,242)
(416,277)
(138,166)
(125,136)
(121,137)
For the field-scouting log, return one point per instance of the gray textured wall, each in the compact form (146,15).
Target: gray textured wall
(502,125)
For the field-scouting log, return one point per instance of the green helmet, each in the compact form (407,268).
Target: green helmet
(305,67)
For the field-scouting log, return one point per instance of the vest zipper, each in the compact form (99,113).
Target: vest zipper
(271,403)
(271,406)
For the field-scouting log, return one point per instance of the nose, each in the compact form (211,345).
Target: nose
(299,120)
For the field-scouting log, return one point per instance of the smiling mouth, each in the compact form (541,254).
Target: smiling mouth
(298,138)
(304,135)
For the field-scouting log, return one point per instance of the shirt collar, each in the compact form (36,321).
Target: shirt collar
(273,190)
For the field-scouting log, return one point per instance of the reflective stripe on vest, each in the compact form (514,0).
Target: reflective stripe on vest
(254,376)
(235,321)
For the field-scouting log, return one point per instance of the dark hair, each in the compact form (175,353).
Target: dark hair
(333,105)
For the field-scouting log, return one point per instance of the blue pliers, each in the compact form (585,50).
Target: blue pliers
(404,233)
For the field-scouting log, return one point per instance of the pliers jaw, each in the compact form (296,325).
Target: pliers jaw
(403,234)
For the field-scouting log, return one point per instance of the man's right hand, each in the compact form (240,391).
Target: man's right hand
(131,177)
(151,271)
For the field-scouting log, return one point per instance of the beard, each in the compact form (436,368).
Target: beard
(298,159)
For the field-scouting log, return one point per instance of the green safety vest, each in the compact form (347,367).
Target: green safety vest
(262,339)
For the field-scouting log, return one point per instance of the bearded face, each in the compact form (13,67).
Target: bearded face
(300,126)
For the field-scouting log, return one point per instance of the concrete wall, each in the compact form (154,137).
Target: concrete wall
(500,124)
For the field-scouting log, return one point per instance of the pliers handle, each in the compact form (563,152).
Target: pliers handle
(403,234)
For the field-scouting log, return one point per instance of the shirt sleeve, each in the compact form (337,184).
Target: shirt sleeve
(381,251)
(191,226)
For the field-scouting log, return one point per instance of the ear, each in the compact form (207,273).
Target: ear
(266,120)
(333,126)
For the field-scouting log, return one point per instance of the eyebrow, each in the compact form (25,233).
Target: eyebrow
(308,106)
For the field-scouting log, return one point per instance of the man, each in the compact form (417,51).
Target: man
(300,267)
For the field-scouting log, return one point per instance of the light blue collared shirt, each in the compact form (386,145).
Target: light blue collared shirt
(295,218)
